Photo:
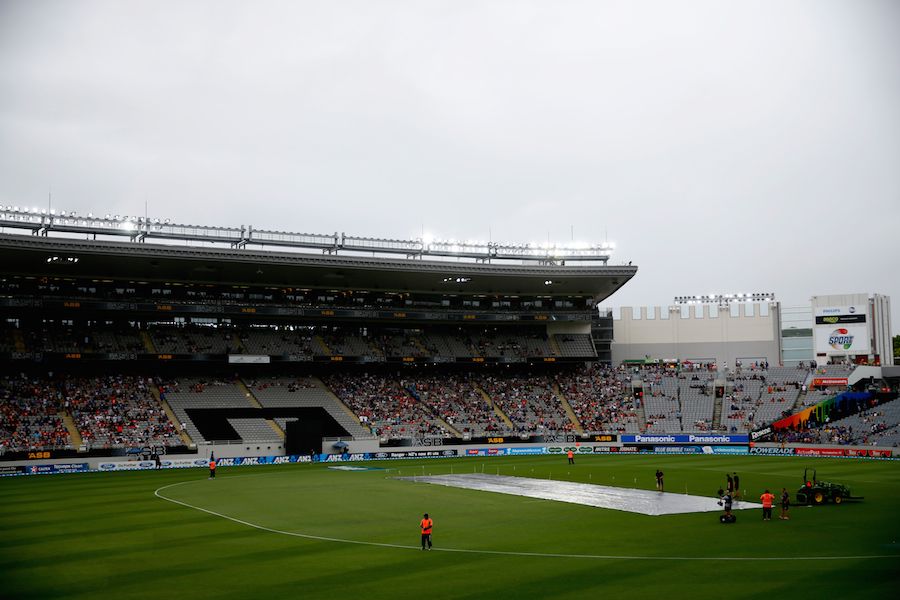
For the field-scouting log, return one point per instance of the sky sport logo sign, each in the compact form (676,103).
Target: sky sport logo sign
(840,339)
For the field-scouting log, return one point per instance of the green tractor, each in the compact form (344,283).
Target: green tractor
(816,492)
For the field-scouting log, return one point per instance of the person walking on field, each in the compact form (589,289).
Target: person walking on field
(785,504)
(737,487)
(571,456)
(426,524)
(768,499)
(659,480)
(212,468)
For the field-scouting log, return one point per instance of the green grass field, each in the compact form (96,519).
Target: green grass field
(109,534)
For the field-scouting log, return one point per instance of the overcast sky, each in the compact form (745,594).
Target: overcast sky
(724,146)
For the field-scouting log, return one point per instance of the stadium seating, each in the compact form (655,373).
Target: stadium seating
(302,392)
(113,411)
(456,399)
(117,411)
(187,393)
(29,415)
(384,406)
(302,342)
(528,401)
(601,399)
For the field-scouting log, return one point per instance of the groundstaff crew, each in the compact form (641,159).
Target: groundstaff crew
(768,499)
(426,524)
(212,468)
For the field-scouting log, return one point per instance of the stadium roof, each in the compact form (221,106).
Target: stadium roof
(41,255)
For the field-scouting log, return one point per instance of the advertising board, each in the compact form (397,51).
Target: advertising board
(841,329)
(58,468)
(691,438)
(487,451)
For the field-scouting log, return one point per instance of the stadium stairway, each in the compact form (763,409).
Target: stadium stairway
(717,413)
(497,410)
(554,345)
(801,399)
(323,346)
(456,432)
(151,348)
(568,408)
(252,399)
(418,344)
(641,415)
(337,401)
(69,422)
(19,341)
(154,391)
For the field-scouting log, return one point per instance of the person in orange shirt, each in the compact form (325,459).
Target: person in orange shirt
(212,468)
(571,456)
(426,524)
(768,499)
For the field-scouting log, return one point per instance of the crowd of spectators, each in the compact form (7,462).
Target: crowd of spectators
(30,415)
(107,411)
(384,406)
(528,401)
(117,410)
(600,398)
(456,399)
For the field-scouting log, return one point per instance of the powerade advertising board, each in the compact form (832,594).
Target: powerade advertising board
(699,438)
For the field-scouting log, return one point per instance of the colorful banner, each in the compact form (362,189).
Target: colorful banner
(821,412)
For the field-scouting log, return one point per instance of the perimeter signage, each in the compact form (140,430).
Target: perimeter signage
(685,439)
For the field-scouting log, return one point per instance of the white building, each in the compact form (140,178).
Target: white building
(704,332)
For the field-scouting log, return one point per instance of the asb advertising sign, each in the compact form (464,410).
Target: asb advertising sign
(698,438)
(842,329)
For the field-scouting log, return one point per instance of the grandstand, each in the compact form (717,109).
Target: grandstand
(220,338)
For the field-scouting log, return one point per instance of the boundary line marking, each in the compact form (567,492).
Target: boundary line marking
(499,552)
